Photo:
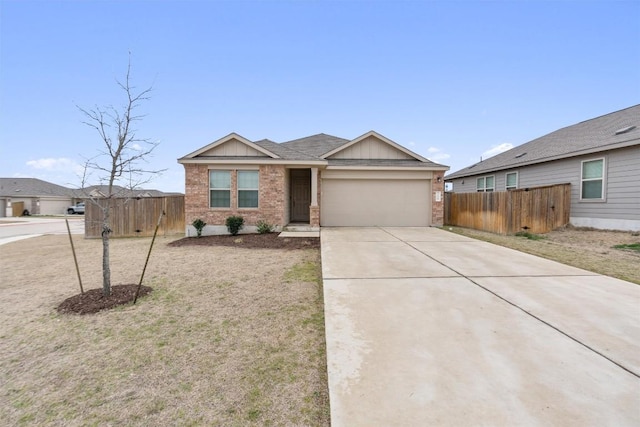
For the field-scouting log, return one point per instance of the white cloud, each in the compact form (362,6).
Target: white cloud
(61,164)
(50,164)
(436,154)
(497,149)
(136,147)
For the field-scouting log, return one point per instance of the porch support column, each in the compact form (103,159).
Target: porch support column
(314,209)
(314,186)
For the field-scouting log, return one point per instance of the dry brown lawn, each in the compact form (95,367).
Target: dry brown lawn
(588,249)
(229,336)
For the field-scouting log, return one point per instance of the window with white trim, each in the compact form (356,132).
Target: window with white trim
(219,189)
(248,189)
(511,180)
(486,183)
(592,180)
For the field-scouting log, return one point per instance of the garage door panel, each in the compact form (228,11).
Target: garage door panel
(54,207)
(375,202)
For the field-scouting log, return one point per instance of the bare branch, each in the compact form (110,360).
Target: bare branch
(119,164)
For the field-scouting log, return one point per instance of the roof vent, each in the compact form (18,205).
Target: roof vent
(625,130)
(521,155)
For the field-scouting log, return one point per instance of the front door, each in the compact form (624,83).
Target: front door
(300,195)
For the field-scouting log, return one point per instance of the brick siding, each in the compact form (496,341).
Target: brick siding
(271,202)
(437,208)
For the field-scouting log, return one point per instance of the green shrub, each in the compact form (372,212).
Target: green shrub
(234,224)
(198,224)
(264,227)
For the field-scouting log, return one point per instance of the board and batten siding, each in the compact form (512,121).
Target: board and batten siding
(619,211)
(371,148)
(232,148)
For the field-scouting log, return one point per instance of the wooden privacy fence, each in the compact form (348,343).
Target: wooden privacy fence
(536,210)
(136,217)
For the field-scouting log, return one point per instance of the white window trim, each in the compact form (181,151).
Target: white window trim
(238,189)
(484,184)
(219,189)
(604,180)
(506,185)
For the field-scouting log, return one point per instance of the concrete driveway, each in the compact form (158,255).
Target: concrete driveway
(426,327)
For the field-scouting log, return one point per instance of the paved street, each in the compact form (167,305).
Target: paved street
(12,229)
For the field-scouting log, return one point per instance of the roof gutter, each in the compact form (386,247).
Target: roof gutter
(266,161)
(390,168)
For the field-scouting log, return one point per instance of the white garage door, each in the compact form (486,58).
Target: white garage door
(371,201)
(54,206)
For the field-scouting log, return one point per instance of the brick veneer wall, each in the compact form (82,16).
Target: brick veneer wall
(314,216)
(314,211)
(272,198)
(271,202)
(437,208)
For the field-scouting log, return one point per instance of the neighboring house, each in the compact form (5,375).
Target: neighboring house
(38,197)
(600,158)
(100,191)
(320,180)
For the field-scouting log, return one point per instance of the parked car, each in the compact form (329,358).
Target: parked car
(78,208)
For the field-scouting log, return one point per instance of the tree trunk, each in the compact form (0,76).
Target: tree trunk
(106,270)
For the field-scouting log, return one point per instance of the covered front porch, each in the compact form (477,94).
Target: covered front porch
(303,209)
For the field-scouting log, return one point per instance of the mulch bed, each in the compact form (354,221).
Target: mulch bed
(251,241)
(93,301)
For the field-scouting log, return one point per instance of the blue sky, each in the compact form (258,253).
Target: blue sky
(451,80)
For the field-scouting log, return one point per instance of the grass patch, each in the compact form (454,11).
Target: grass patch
(631,246)
(530,236)
(214,344)
(307,271)
(588,249)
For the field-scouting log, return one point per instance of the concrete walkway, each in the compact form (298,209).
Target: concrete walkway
(426,327)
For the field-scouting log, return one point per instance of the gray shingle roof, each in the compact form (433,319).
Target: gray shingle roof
(590,136)
(315,145)
(31,187)
(118,191)
(283,151)
(309,149)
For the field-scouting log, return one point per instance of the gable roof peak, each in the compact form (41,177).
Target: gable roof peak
(373,133)
(225,139)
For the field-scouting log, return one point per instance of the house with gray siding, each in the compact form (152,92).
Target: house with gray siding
(599,157)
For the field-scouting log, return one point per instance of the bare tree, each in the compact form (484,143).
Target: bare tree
(120,162)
